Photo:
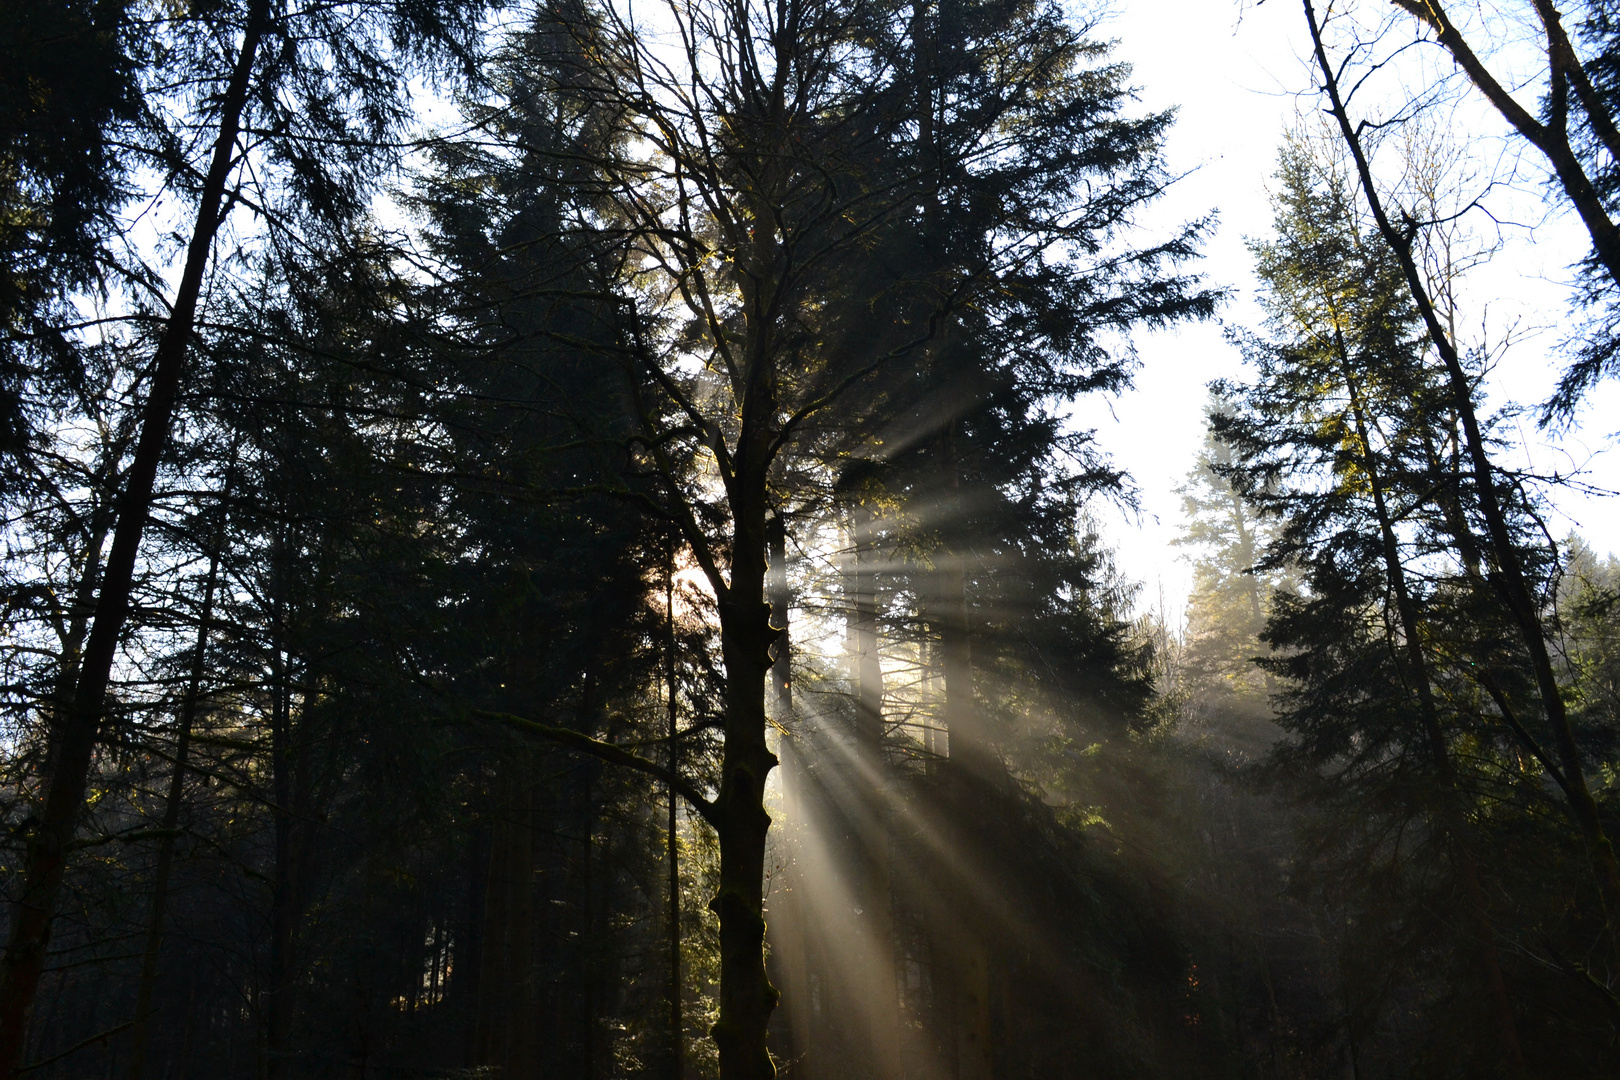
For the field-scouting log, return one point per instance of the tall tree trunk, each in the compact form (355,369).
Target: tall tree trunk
(1452,819)
(876,998)
(284,886)
(78,622)
(522,1029)
(589,958)
(171,818)
(741,822)
(74,736)
(504,1032)
(466,973)
(788,922)
(1509,576)
(495,983)
(677,1049)
(862,634)
(781,598)
(975,1043)
(969,749)
(972,759)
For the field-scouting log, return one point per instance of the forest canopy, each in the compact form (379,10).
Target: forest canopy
(553,540)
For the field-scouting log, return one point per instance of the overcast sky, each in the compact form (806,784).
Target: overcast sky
(1235,81)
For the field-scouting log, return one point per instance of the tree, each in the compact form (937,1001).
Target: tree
(1343,394)
(727,190)
(70,79)
(1227,610)
(286,71)
(1511,581)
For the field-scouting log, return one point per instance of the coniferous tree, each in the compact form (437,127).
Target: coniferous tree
(1395,645)
(70,77)
(1513,564)
(1226,611)
(326,92)
(740,258)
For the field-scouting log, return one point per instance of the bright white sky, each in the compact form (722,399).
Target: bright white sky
(1235,76)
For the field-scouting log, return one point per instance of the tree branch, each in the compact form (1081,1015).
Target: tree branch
(609,752)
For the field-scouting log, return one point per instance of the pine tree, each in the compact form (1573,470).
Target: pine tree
(69,81)
(1230,598)
(746,241)
(328,91)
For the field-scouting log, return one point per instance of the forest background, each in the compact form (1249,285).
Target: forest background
(548,541)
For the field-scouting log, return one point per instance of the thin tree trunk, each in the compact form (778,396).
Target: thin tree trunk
(1509,576)
(78,623)
(466,973)
(862,632)
(677,1049)
(45,860)
(523,1030)
(969,748)
(877,999)
(495,987)
(278,1009)
(1453,820)
(171,818)
(588,1005)
(1447,482)
(973,757)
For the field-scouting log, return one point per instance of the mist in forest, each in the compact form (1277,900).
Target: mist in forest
(552,542)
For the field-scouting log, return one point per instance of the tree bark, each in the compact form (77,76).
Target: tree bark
(75,736)
(503,1029)
(788,914)
(781,598)
(672,706)
(589,945)
(741,822)
(975,1048)
(972,757)
(467,975)
(284,884)
(495,989)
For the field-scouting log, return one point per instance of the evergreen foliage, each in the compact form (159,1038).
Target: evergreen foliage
(397,561)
